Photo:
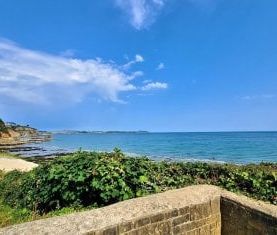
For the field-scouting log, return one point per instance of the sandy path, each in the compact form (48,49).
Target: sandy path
(9,164)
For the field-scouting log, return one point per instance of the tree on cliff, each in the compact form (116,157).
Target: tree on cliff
(3,127)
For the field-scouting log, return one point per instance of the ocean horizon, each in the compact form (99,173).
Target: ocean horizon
(240,147)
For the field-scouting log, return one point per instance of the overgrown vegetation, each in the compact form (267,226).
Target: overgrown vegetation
(90,179)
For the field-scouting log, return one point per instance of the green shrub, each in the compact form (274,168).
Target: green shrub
(10,188)
(254,181)
(97,179)
(80,180)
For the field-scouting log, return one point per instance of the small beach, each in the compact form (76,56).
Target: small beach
(9,162)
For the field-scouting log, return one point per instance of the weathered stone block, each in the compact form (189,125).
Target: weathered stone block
(108,231)
(171,214)
(157,218)
(124,227)
(215,205)
(184,210)
(193,232)
(141,222)
(204,230)
(200,211)
(180,220)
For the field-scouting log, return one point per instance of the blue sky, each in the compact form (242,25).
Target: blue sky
(157,65)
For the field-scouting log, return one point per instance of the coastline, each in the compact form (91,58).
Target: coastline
(225,147)
(29,143)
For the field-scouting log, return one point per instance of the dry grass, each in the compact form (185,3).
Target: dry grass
(7,155)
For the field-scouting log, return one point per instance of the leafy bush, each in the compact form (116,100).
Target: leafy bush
(79,180)
(97,179)
(10,187)
(260,183)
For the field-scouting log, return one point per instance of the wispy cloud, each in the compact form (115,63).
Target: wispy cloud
(154,86)
(38,77)
(138,59)
(255,97)
(160,66)
(146,81)
(141,13)
(42,78)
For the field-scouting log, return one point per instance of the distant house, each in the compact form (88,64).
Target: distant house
(11,124)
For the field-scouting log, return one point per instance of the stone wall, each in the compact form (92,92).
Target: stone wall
(196,219)
(194,210)
(246,217)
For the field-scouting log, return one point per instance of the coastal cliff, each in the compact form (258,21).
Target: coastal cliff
(12,134)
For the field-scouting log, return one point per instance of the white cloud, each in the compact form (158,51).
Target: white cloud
(154,86)
(138,59)
(160,66)
(137,74)
(38,77)
(141,13)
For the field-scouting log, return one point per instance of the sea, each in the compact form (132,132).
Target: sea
(222,147)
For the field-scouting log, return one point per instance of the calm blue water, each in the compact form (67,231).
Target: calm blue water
(236,147)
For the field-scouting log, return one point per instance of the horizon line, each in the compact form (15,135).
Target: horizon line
(146,131)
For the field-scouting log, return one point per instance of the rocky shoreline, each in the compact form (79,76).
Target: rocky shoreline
(16,138)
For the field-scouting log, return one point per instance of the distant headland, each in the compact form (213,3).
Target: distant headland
(95,132)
